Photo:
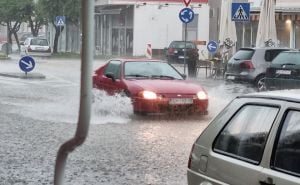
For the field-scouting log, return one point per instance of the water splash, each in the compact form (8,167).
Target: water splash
(110,109)
(221,95)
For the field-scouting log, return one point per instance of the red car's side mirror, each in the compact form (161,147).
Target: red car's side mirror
(111,76)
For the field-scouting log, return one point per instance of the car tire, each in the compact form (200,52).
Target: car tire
(260,83)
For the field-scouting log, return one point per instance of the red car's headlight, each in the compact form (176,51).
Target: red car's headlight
(148,95)
(202,95)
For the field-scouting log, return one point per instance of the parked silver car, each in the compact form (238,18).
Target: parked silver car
(255,140)
(250,64)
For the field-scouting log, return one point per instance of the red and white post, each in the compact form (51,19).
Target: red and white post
(149,51)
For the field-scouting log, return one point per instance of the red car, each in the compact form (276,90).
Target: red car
(154,86)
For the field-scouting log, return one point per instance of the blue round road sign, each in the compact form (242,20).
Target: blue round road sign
(26,64)
(212,46)
(186,15)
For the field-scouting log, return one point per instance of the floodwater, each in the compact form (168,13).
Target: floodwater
(37,116)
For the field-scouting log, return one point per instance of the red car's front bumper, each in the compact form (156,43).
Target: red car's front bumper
(141,105)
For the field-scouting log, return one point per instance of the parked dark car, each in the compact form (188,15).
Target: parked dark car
(284,72)
(255,140)
(175,52)
(250,65)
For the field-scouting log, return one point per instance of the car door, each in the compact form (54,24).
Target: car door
(284,158)
(24,47)
(239,147)
(110,85)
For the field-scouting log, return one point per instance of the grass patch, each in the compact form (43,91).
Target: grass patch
(99,57)
(65,55)
(77,56)
(3,56)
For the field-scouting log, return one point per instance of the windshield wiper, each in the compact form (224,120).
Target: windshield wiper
(289,64)
(137,75)
(163,76)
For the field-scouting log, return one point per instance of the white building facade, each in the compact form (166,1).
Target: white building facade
(125,27)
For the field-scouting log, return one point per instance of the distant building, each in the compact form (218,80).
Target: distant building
(125,27)
(287,23)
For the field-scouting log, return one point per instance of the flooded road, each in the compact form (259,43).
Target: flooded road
(37,116)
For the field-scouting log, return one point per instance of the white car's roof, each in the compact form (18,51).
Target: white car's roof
(288,95)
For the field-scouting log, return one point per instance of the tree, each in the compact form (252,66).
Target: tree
(36,17)
(68,8)
(12,14)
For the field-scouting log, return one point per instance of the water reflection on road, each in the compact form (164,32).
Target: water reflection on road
(38,116)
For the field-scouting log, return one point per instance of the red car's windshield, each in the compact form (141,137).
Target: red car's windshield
(150,70)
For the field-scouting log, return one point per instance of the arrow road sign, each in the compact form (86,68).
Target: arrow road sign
(26,64)
(186,15)
(212,46)
(240,12)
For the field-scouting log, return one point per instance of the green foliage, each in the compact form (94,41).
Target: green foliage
(13,10)
(68,8)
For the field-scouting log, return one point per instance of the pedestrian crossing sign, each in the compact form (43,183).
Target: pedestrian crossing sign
(240,11)
(60,20)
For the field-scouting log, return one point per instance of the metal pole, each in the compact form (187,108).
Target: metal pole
(244,29)
(184,59)
(87,13)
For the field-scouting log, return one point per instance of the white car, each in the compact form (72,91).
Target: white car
(255,140)
(36,46)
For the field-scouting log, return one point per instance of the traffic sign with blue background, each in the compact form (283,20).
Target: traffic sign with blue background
(26,64)
(60,20)
(186,15)
(240,12)
(212,46)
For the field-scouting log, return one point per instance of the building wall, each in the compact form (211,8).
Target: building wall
(214,16)
(159,27)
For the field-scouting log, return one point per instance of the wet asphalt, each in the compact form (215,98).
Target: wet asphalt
(38,115)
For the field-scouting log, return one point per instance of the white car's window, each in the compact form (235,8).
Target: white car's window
(287,151)
(40,42)
(245,135)
(26,42)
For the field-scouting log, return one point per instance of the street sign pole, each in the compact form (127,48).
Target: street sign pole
(60,37)
(184,59)
(186,15)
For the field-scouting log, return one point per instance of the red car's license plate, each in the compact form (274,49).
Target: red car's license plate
(178,101)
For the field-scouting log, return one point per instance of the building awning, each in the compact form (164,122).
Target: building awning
(127,2)
(279,16)
(110,10)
